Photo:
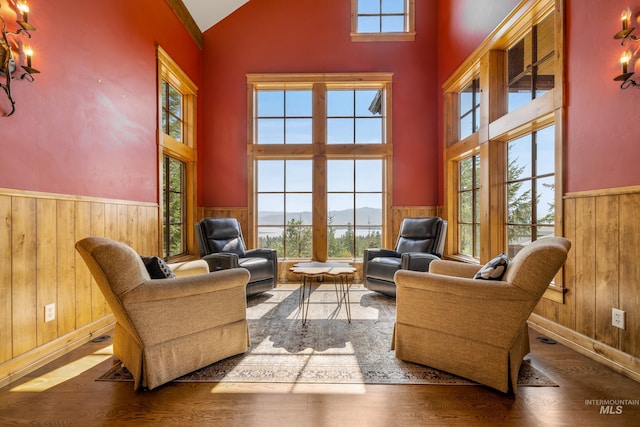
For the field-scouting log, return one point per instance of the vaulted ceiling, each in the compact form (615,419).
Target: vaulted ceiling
(207,13)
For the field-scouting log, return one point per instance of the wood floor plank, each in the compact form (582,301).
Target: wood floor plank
(80,400)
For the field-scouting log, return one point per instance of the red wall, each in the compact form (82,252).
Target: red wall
(87,125)
(603,131)
(313,36)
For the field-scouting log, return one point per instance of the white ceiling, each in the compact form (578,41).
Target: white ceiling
(207,13)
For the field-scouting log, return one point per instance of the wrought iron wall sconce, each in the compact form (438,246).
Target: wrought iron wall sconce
(624,35)
(625,77)
(10,59)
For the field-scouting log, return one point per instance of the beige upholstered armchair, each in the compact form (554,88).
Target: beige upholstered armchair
(474,328)
(166,328)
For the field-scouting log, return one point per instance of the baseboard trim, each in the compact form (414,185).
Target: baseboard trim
(26,363)
(617,360)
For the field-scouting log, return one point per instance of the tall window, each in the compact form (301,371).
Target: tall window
(470,109)
(316,191)
(530,188)
(177,158)
(531,65)
(284,198)
(380,20)
(469,206)
(173,204)
(355,200)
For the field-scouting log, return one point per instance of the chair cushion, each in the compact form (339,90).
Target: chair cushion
(413,245)
(259,268)
(494,269)
(157,267)
(418,234)
(235,246)
(383,267)
(223,235)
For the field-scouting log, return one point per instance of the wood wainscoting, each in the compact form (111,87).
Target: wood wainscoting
(39,265)
(601,273)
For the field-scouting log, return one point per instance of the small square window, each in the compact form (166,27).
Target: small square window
(382,20)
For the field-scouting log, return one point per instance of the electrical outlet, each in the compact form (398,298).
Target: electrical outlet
(617,318)
(50,312)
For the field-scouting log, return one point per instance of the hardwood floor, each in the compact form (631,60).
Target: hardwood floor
(66,393)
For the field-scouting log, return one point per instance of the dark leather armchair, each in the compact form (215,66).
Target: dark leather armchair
(221,244)
(420,241)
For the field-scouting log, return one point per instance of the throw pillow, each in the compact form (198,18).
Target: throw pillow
(157,268)
(494,269)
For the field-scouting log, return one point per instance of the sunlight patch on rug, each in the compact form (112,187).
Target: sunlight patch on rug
(327,349)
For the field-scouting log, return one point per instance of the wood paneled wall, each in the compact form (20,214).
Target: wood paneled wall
(39,265)
(601,273)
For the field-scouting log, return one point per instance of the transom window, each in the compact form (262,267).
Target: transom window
(354,117)
(381,16)
(470,108)
(171,111)
(316,191)
(284,117)
(531,65)
(382,20)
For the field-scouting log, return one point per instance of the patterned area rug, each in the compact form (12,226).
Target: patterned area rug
(327,349)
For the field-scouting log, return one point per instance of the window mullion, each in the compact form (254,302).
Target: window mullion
(319,191)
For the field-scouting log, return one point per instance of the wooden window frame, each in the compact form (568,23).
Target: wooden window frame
(184,150)
(498,126)
(319,151)
(408,35)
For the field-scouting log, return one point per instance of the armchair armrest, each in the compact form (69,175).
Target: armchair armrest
(189,268)
(262,253)
(221,261)
(417,261)
(454,268)
(182,287)
(371,253)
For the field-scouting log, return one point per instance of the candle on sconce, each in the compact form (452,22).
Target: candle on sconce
(625,17)
(23,7)
(624,60)
(28,52)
